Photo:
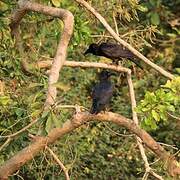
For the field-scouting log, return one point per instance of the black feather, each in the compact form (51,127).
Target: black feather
(112,51)
(102,93)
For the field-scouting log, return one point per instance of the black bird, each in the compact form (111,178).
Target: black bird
(112,51)
(102,92)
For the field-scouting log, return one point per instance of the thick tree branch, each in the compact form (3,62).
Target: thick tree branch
(60,56)
(117,38)
(33,149)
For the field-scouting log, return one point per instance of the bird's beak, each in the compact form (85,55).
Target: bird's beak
(87,51)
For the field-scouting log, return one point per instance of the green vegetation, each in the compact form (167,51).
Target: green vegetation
(96,150)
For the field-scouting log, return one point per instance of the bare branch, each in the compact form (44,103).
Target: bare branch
(59,162)
(21,130)
(117,38)
(59,59)
(5,143)
(45,64)
(33,149)
(135,119)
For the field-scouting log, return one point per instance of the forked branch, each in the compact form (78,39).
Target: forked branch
(59,59)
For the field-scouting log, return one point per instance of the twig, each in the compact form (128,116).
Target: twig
(168,145)
(21,130)
(5,143)
(173,116)
(115,23)
(123,135)
(121,41)
(10,137)
(59,162)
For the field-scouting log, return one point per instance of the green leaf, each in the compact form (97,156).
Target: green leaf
(4,100)
(49,124)
(155,115)
(52,122)
(152,2)
(142,8)
(45,114)
(62,86)
(155,20)
(163,116)
(56,121)
(171,108)
(19,112)
(148,121)
(56,2)
(153,125)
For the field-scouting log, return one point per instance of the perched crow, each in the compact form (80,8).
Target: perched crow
(102,92)
(112,51)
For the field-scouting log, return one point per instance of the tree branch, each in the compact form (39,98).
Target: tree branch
(45,64)
(59,59)
(121,41)
(33,149)
(59,162)
(135,119)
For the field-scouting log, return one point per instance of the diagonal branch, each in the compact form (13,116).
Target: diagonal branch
(33,149)
(121,41)
(59,162)
(135,119)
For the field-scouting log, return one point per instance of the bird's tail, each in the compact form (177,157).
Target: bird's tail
(136,62)
(94,108)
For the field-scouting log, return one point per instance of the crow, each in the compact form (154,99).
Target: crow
(112,51)
(102,92)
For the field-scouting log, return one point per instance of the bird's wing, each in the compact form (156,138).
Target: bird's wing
(102,93)
(115,51)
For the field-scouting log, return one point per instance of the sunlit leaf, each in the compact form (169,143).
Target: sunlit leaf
(142,8)
(61,86)
(155,115)
(56,2)
(155,20)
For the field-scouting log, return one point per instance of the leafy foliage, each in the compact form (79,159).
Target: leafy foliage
(96,150)
(157,105)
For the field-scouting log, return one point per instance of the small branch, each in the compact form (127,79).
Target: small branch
(11,136)
(45,64)
(59,162)
(135,119)
(115,23)
(173,116)
(168,145)
(5,143)
(21,130)
(121,41)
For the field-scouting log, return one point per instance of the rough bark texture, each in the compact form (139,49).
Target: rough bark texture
(33,149)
